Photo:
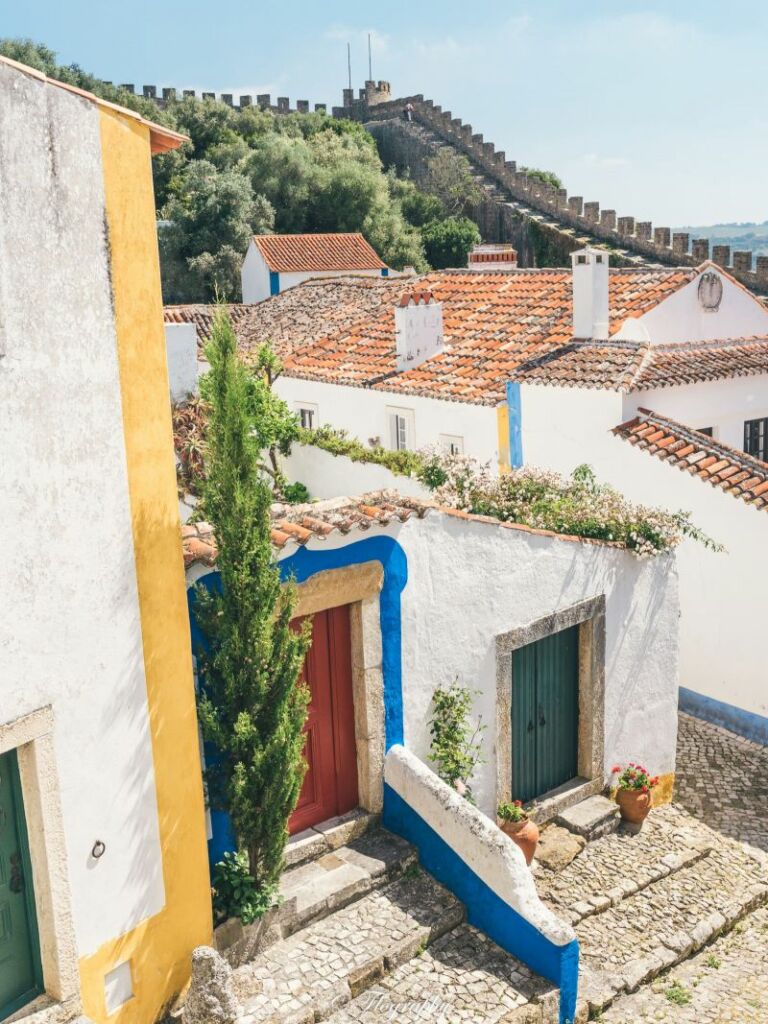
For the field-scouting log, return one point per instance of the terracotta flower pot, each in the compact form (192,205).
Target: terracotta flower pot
(634,805)
(524,833)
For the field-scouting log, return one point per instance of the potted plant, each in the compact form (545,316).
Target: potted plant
(517,824)
(634,789)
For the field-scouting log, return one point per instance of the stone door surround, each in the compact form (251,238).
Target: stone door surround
(589,616)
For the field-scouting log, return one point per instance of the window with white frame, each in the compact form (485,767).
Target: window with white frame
(452,443)
(309,417)
(401,429)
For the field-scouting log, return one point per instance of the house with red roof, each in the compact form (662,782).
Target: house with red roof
(274,263)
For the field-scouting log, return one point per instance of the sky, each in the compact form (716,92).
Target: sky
(654,108)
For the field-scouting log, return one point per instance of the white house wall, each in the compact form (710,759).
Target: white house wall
(255,280)
(363,413)
(70,633)
(181,351)
(682,318)
(722,404)
(328,476)
(722,650)
(470,582)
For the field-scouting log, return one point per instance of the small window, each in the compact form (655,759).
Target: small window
(581,259)
(308,415)
(598,259)
(709,431)
(756,438)
(118,986)
(400,429)
(452,443)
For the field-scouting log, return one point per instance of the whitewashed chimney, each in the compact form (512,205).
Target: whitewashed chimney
(418,328)
(590,293)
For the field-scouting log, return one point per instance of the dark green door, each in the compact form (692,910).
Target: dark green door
(20,974)
(545,714)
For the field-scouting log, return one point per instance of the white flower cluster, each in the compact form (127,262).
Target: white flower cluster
(577,506)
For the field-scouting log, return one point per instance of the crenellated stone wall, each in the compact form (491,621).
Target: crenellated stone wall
(282,105)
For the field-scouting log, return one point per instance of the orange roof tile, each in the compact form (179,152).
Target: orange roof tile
(307,253)
(733,471)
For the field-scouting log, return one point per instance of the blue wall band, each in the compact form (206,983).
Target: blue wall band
(745,723)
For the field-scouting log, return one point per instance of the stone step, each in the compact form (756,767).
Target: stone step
(317,888)
(592,818)
(463,977)
(329,835)
(665,922)
(624,862)
(322,967)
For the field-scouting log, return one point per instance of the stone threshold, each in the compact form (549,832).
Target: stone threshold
(45,1010)
(547,807)
(328,835)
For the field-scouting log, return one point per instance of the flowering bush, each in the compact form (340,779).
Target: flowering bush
(634,777)
(544,500)
(512,812)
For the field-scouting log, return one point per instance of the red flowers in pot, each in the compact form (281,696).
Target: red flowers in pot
(634,790)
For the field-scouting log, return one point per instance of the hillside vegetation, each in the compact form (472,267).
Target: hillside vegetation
(253,172)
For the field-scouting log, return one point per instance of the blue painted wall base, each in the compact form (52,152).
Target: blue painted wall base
(486,910)
(745,723)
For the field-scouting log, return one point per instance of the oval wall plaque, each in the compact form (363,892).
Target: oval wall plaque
(710,291)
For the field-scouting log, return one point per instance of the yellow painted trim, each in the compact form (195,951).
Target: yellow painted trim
(502,431)
(160,947)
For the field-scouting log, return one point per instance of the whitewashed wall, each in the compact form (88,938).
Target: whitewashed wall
(328,476)
(682,318)
(70,633)
(254,276)
(363,413)
(470,582)
(722,604)
(181,354)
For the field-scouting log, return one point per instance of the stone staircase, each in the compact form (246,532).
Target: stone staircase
(368,936)
(641,903)
(390,944)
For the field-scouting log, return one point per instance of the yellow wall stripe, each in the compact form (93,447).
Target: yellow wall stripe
(160,948)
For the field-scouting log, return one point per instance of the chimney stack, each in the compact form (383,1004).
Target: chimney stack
(590,293)
(418,328)
(492,257)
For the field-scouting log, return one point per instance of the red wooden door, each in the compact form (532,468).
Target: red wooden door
(330,785)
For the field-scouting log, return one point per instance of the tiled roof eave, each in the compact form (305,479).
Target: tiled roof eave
(437,394)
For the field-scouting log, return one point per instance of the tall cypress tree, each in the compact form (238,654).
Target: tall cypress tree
(252,707)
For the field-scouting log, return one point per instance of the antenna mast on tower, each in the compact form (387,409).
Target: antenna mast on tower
(370,66)
(349,64)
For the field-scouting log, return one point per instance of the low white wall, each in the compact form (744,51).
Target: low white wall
(363,413)
(722,653)
(328,476)
(181,353)
(490,854)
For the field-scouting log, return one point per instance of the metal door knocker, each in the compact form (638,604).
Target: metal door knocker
(99,849)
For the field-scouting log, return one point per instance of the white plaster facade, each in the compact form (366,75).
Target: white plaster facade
(181,352)
(471,582)
(255,276)
(327,476)
(367,414)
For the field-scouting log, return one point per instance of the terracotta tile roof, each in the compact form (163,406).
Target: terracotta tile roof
(307,253)
(635,366)
(201,315)
(492,322)
(161,138)
(731,470)
(295,525)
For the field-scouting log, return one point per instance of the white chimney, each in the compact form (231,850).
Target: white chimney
(418,328)
(590,293)
(492,257)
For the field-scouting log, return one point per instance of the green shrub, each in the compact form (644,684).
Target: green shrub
(235,893)
(296,493)
(337,442)
(455,747)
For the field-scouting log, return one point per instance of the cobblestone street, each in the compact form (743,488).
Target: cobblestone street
(723,779)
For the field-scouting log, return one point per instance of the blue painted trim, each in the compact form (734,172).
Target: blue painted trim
(745,723)
(274,282)
(303,564)
(385,271)
(515,415)
(485,909)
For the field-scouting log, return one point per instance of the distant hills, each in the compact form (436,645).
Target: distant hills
(738,236)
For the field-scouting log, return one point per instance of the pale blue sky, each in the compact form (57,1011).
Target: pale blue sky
(655,108)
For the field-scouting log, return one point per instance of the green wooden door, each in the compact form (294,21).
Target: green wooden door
(545,714)
(20,974)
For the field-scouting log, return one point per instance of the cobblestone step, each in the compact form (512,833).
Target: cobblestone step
(322,967)
(629,944)
(618,865)
(463,977)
